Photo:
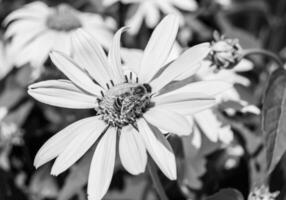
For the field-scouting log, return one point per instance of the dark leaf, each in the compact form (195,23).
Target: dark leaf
(193,165)
(274,118)
(137,188)
(246,39)
(226,194)
(43,185)
(8,189)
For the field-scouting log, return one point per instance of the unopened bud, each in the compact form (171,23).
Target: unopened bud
(225,52)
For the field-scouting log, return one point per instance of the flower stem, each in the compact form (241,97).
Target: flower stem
(156,181)
(263,52)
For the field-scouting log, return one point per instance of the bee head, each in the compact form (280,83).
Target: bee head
(147,87)
(139,90)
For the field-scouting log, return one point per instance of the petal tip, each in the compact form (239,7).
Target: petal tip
(55,171)
(38,162)
(173,177)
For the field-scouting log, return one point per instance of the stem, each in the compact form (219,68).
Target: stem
(156,181)
(263,52)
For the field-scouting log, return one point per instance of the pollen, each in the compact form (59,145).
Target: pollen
(121,105)
(63,18)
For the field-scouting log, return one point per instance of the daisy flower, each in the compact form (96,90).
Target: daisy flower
(36,29)
(129,107)
(149,10)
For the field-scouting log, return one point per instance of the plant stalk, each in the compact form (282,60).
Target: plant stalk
(263,52)
(156,181)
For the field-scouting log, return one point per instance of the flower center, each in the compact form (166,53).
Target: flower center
(63,18)
(124,103)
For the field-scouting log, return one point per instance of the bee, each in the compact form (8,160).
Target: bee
(117,104)
(142,90)
(136,98)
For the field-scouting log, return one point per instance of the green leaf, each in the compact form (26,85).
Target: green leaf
(227,194)
(274,118)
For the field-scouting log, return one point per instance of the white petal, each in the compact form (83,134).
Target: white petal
(5,66)
(115,58)
(196,138)
(152,15)
(168,120)
(107,3)
(85,138)
(102,166)
(189,5)
(159,149)
(63,43)
(37,5)
(209,124)
(19,41)
(158,48)
(132,58)
(190,71)
(225,134)
(195,90)
(186,63)
(101,34)
(34,10)
(131,1)
(74,72)
(243,66)
(56,144)
(166,7)
(188,107)
(178,97)
(135,20)
(40,47)
(21,26)
(132,150)
(23,14)
(29,11)
(62,93)
(91,56)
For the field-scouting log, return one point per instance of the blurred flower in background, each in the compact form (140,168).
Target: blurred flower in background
(222,64)
(36,29)
(149,11)
(211,122)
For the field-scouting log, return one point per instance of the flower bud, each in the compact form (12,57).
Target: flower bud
(225,52)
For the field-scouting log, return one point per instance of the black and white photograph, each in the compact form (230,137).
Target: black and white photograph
(142,99)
